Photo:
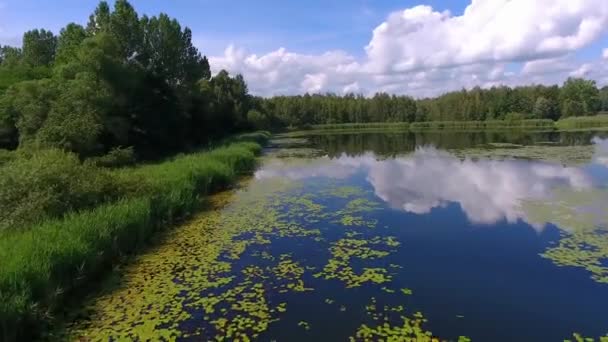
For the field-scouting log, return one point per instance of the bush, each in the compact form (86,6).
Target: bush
(117,157)
(6,156)
(43,184)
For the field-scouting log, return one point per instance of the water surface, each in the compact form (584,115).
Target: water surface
(487,236)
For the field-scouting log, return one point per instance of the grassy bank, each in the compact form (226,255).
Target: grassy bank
(482,125)
(597,121)
(582,122)
(358,126)
(44,262)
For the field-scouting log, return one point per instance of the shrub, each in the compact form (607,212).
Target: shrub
(49,183)
(117,157)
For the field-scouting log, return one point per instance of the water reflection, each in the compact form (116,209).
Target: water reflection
(601,151)
(393,144)
(487,190)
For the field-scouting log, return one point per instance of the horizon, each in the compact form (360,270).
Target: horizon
(412,48)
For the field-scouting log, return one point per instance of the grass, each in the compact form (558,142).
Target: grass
(438,125)
(42,265)
(369,125)
(581,122)
(481,125)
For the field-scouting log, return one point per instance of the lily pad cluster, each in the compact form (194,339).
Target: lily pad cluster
(583,218)
(218,277)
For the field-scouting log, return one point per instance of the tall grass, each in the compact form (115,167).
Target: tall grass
(368,125)
(441,125)
(42,265)
(580,122)
(480,125)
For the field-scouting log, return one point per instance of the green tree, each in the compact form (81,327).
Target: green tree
(100,19)
(579,94)
(69,42)
(39,47)
(573,108)
(258,120)
(542,108)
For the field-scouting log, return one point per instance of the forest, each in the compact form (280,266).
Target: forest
(576,97)
(135,82)
(121,81)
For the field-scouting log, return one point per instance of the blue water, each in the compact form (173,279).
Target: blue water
(472,261)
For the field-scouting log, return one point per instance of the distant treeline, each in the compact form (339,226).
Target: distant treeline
(576,97)
(124,80)
(131,81)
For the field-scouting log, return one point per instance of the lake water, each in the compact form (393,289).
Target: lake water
(369,236)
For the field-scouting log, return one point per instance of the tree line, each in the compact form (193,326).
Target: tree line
(124,80)
(576,97)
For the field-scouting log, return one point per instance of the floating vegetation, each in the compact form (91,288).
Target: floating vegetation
(566,155)
(582,216)
(407,292)
(579,338)
(410,328)
(339,266)
(304,325)
(192,274)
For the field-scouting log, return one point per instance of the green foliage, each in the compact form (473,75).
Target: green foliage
(42,264)
(6,156)
(37,185)
(122,81)
(542,109)
(117,157)
(258,120)
(39,47)
(579,97)
(369,125)
(583,122)
(69,42)
(576,97)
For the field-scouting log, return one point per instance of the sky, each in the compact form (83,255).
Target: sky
(413,47)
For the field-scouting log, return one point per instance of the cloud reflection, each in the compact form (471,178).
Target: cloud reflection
(487,190)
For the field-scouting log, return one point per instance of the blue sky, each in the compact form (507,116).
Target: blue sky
(310,26)
(420,51)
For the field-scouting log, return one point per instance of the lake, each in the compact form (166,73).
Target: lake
(483,236)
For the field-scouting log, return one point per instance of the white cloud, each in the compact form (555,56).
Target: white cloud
(422,51)
(605,53)
(582,71)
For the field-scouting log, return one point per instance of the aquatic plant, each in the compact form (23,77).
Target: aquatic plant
(344,250)
(582,216)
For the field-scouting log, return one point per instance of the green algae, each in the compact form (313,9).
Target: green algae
(583,218)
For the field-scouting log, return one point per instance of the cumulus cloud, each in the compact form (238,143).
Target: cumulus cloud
(422,51)
(605,53)
(488,31)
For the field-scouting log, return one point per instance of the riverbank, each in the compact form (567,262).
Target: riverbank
(46,262)
(583,122)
